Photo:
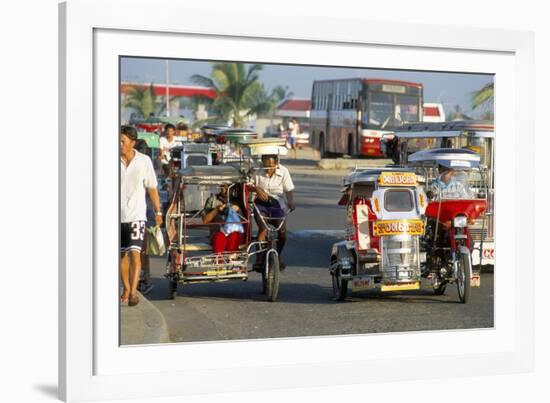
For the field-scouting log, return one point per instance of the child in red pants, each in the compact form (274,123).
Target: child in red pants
(230,233)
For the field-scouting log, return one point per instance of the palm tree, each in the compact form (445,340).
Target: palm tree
(280,93)
(484,96)
(457,114)
(238,91)
(142,99)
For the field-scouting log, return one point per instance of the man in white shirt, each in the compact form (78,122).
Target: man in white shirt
(166,144)
(274,196)
(293,130)
(137,177)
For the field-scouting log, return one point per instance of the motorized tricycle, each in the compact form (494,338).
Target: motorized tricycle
(452,207)
(385,209)
(477,136)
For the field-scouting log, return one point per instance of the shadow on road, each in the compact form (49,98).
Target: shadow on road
(239,291)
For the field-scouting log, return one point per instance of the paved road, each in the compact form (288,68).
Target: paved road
(238,310)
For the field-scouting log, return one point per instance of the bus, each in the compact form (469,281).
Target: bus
(350,116)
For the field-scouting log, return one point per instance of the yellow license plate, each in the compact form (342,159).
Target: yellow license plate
(217,272)
(401,287)
(396,227)
(361,284)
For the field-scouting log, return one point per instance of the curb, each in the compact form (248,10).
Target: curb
(142,324)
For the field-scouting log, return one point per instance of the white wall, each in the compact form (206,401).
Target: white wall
(28,293)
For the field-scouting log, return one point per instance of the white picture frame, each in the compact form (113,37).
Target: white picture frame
(92,366)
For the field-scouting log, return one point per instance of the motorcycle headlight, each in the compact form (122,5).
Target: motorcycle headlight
(460,221)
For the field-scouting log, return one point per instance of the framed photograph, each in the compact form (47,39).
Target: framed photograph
(359,95)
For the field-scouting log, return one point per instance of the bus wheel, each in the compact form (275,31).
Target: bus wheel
(350,146)
(322,149)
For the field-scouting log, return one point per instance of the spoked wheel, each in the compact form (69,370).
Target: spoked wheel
(339,286)
(172,288)
(272,278)
(463,276)
(264,283)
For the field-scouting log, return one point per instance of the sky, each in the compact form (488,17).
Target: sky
(450,89)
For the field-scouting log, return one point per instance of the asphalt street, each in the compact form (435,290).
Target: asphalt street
(238,310)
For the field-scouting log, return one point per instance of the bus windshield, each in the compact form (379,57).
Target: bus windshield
(390,110)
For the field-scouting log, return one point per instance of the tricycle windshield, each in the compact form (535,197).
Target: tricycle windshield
(452,185)
(398,200)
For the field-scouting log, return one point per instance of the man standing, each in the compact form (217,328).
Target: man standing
(273,185)
(293,130)
(137,177)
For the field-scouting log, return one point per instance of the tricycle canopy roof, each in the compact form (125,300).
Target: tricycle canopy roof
(370,175)
(264,146)
(212,129)
(151,139)
(456,158)
(213,174)
(476,128)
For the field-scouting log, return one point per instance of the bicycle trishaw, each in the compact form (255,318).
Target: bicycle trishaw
(385,208)
(190,255)
(452,207)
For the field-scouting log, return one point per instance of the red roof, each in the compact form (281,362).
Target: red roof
(431,111)
(295,105)
(173,90)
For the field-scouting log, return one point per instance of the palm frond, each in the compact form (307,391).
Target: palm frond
(202,80)
(484,95)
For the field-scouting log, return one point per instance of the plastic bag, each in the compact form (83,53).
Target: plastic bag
(155,241)
(230,226)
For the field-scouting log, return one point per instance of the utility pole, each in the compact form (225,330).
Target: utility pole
(167,68)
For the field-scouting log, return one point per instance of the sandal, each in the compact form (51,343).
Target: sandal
(133,300)
(123,299)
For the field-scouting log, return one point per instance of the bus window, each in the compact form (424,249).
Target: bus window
(406,109)
(380,109)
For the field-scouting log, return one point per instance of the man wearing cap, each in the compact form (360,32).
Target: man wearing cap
(274,196)
(137,178)
(449,184)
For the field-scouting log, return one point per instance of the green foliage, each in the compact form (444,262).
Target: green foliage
(483,96)
(239,92)
(142,99)
(280,93)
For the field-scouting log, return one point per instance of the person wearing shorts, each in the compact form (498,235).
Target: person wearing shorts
(137,179)
(293,130)
(274,196)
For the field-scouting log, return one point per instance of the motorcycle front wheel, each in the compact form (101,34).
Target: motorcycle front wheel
(272,278)
(463,276)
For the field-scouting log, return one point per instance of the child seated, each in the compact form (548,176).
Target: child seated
(227,236)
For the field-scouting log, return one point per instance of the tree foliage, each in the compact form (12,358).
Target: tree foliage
(239,92)
(483,96)
(142,99)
